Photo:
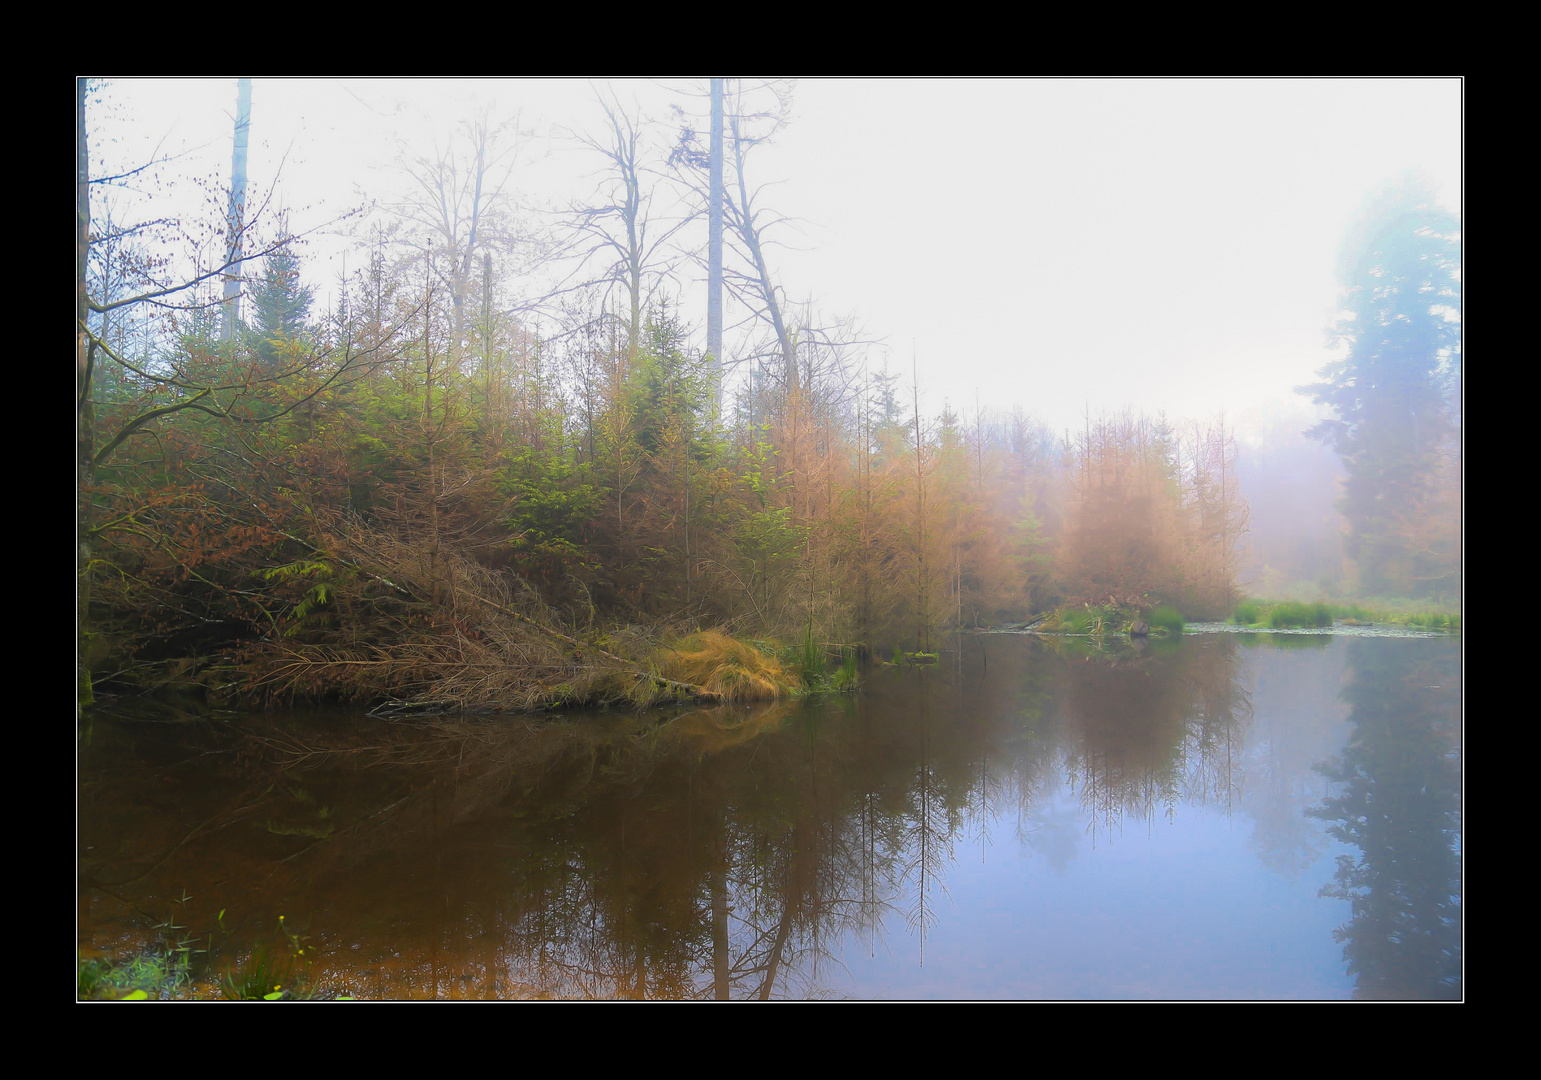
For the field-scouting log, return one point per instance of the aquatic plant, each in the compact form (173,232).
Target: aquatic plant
(272,974)
(1248,613)
(1166,618)
(150,976)
(847,680)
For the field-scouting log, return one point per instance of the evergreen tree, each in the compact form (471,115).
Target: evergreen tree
(1400,275)
(280,304)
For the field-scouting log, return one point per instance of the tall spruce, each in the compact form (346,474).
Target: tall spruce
(1394,392)
(281,304)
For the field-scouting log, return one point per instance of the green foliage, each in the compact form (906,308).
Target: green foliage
(159,973)
(1166,618)
(1248,613)
(811,663)
(280,304)
(151,976)
(1429,620)
(846,680)
(554,501)
(1294,614)
(280,972)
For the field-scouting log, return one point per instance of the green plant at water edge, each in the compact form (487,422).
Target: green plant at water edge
(1430,620)
(1354,614)
(1075,621)
(1297,614)
(813,656)
(147,977)
(276,974)
(848,679)
(1248,613)
(1166,618)
(161,972)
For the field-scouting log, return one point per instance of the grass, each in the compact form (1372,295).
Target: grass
(267,975)
(1295,614)
(847,678)
(735,669)
(1166,618)
(277,972)
(151,976)
(159,973)
(1292,613)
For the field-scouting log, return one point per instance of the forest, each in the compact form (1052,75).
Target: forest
(418,494)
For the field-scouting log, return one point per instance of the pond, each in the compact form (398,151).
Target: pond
(1222,816)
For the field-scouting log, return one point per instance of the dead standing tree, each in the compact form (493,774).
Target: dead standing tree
(748,221)
(457,209)
(617,228)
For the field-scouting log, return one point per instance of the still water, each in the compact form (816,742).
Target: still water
(1224,816)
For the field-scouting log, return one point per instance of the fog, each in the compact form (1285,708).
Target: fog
(1062,245)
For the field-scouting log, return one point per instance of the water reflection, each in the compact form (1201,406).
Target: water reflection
(1153,729)
(1399,803)
(709,853)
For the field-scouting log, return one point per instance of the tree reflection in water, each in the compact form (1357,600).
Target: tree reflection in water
(695,854)
(1152,728)
(1400,805)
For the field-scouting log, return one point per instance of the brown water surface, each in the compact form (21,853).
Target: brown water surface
(1026,819)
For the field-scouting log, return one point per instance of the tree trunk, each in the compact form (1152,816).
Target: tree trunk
(237,222)
(714,247)
(85,414)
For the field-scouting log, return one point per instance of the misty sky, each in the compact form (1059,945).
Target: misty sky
(1164,244)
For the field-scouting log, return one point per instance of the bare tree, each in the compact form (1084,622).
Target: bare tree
(749,223)
(458,209)
(753,115)
(617,229)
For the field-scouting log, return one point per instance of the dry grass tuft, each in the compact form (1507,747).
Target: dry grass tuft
(724,665)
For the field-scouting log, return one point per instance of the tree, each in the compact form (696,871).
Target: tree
(1394,391)
(280,303)
(754,114)
(457,210)
(180,377)
(617,227)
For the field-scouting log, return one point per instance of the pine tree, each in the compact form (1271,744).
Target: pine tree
(1400,273)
